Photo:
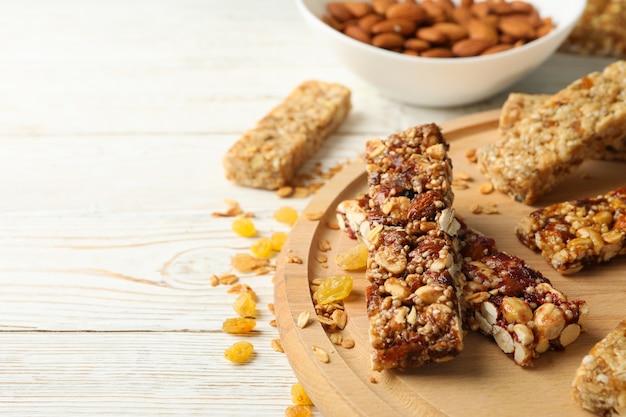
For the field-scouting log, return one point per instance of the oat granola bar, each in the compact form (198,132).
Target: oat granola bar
(601,30)
(413,266)
(520,105)
(599,385)
(269,155)
(574,234)
(540,150)
(502,297)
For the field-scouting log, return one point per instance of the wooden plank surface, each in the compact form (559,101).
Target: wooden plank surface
(114,117)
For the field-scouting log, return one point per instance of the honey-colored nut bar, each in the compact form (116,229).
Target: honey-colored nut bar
(577,233)
(270,154)
(413,266)
(539,151)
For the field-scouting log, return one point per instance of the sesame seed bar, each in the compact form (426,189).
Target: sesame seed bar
(601,30)
(577,233)
(520,105)
(539,151)
(270,154)
(413,266)
(599,385)
(502,297)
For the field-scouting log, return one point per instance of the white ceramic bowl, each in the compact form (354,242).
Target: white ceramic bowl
(444,82)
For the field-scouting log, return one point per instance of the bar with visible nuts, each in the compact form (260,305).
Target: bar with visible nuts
(413,267)
(578,233)
(501,295)
(539,151)
(269,155)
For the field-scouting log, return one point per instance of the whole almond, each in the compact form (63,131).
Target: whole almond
(471,47)
(544,29)
(500,7)
(404,27)
(478,29)
(466,4)
(453,31)
(381,6)
(366,22)
(356,32)
(414,44)
(501,47)
(431,34)
(388,40)
(358,8)
(480,9)
(516,28)
(339,11)
(461,16)
(522,6)
(406,10)
(437,53)
(436,12)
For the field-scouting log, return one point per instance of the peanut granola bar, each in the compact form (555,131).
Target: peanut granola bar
(599,385)
(413,266)
(577,233)
(269,155)
(520,105)
(539,151)
(502,297)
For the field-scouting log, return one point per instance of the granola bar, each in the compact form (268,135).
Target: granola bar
(502,297)
(413,266)
(520,105)
(601,30)
(515,304)
(269,155)
(599,385)
(573,234)
(539,151)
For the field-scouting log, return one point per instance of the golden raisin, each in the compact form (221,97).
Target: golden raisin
(298,411)
(245,305)
(278,240)
(334,288)
(238,325)
(353,259)
(239,352)
(262,248)
(286,214)
(244,227)
(299,395)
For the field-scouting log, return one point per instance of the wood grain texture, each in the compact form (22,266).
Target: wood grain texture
(114,116)
(482,380)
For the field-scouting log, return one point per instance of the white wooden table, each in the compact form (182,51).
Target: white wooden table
(114,117)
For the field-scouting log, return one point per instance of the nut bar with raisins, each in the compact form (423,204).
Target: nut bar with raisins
(516,305)
(502,296)
(413,266)
(573,234)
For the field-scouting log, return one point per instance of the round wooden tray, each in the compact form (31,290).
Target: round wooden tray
(482,380)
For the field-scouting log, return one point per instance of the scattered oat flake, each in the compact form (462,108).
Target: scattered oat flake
(271,307)
(348,343)
(471,155)
(277,345)
(333,225)
(233,210)
(273,322)
(335,338)
(373,379)
(284,192)
(303,319)
(320,354)
(244,262)
(240,288)
(463,176)
(486,188)
(313,215)
(301,192)
(214,280)
(228,279)
(294,259)
(476,208)
(321,258)
(491,209)
(323,245)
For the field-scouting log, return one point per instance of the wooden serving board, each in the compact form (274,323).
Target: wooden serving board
(482,381)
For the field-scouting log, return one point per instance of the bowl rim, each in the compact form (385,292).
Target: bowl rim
(578,7)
